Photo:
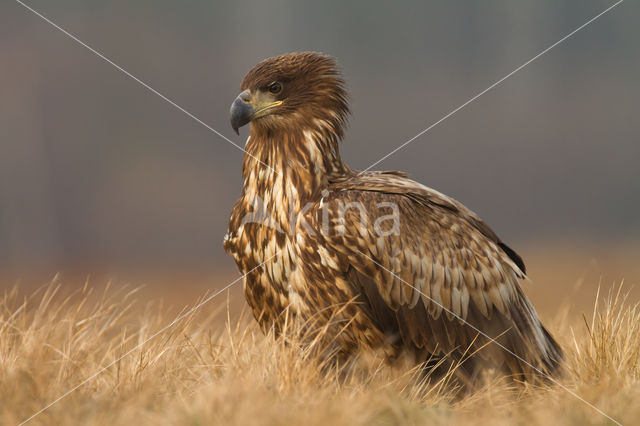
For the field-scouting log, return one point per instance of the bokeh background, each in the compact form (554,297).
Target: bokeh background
(100,177)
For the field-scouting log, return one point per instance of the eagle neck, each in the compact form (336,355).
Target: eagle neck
(290,169)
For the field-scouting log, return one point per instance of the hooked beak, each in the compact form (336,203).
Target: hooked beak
(241,111)
(248,106)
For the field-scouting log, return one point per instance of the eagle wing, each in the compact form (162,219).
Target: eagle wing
(428,263)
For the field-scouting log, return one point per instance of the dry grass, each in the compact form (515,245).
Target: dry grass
(216,368)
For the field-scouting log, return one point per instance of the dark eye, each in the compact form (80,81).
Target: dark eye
(275,88)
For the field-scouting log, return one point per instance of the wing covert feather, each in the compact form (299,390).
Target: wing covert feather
(439,256)
(440,267)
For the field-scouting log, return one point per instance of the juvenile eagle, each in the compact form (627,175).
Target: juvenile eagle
(423,276)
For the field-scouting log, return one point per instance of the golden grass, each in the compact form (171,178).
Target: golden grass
(216,368)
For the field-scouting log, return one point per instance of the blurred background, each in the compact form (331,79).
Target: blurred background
(100,177)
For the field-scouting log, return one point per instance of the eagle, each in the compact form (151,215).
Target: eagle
(381,262)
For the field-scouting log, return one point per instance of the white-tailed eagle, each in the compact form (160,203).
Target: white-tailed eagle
(392,263)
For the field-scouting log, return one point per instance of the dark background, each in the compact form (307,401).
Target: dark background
(99,174)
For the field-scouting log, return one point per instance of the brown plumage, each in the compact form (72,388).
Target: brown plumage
(421,276)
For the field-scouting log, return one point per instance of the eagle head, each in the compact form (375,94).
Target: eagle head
(292,91)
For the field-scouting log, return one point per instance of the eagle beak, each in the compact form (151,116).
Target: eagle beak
(241,111)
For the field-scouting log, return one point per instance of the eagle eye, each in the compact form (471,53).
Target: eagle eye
(275,88)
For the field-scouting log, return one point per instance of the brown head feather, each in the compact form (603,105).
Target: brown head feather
(312,88)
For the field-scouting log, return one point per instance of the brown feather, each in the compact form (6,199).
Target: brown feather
(387,291)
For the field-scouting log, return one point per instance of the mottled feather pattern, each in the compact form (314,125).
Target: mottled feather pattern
(433,288)
(438,271)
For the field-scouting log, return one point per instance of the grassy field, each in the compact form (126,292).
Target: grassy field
(214,366)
